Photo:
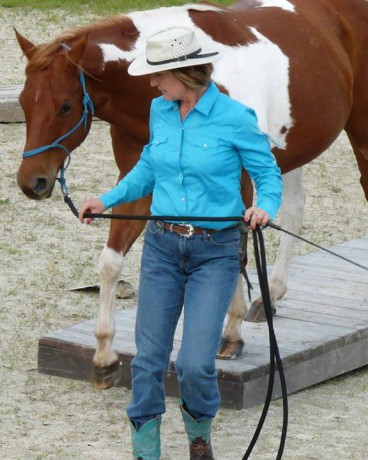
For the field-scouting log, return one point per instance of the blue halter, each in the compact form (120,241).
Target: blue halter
(87,106)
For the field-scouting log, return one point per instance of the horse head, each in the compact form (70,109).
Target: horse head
(52,101)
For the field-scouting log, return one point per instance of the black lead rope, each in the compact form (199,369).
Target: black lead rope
(74,210)
(260,258)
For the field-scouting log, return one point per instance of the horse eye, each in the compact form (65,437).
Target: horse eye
(65,109)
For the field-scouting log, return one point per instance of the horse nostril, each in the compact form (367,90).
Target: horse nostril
(41,184)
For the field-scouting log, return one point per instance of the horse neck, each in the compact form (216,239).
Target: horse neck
(119,98)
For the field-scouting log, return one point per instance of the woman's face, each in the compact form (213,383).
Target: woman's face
(171,87)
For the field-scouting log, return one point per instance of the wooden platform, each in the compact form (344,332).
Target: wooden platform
(10,109)
(321,327)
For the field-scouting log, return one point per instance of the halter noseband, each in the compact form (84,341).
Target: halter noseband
(87,106)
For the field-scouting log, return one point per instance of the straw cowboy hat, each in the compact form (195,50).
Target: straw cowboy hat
(174,48)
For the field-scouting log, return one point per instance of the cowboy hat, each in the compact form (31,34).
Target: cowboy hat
(172,49)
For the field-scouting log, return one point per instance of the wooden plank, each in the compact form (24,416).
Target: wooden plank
(322,318)
(73,363)
(328,290)
(357,317)
(316,260)
(304,295)
(345,251)
(323,366)
(336,272)
(347,290)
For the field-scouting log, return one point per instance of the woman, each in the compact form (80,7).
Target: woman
(199,141)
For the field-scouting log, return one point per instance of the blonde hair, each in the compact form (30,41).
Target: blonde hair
(194,77)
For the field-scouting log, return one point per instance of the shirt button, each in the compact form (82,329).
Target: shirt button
(183,199)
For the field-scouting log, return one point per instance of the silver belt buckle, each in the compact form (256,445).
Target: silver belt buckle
(190,229)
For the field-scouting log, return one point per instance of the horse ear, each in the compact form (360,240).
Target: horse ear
(129,29)
(78,49)
(26,45)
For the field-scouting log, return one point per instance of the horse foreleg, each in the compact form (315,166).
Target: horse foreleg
(105,360)
(232,343)
(291,219)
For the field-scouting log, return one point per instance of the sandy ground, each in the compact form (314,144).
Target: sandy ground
(44,251)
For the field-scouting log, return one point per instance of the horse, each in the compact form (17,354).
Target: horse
(302,66)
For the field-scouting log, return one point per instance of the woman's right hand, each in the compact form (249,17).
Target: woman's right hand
(93,205)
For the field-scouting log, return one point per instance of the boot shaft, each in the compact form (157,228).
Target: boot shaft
(199,436)
(146,441)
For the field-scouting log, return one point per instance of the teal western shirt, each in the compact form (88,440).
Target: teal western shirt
(193,167)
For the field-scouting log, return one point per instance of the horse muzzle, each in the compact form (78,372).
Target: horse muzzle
(36,188)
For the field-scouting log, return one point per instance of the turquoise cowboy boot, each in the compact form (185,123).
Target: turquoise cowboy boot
(199,435)
(146,441)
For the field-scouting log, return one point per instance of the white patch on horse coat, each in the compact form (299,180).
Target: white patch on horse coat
(110,263)
(150,22)
(109,267)
(256,75)
(112,53)
(284,4)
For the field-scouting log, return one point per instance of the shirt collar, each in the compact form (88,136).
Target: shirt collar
(208,98)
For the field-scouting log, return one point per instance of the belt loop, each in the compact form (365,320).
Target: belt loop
(161,225)
(205,234)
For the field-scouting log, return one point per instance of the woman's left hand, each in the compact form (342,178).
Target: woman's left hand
(93,205)
(256,216)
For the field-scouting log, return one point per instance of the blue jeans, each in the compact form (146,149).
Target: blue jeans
(198,274)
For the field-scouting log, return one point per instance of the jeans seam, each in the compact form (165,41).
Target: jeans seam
(172,334)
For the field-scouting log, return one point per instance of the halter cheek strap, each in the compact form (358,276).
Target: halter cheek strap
(87,107)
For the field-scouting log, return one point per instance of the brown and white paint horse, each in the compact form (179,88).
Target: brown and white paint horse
(302,65)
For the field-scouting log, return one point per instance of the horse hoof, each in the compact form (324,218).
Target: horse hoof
(106,377)
(256,313)
(230,350)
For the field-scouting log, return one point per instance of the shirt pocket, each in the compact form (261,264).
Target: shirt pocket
(205,144)
(159,142)
(211,154)
(159,150)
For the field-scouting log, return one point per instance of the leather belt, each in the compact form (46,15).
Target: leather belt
(186,230)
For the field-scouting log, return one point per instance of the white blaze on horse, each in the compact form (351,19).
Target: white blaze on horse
(302,65)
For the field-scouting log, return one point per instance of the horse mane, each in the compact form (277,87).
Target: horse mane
(44,54)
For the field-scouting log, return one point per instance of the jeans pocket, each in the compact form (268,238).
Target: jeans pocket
(225,237)
(153,227)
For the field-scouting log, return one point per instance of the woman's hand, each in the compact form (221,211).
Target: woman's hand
(93,205)
(255,216)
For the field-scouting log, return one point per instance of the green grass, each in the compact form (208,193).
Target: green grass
(97,7)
